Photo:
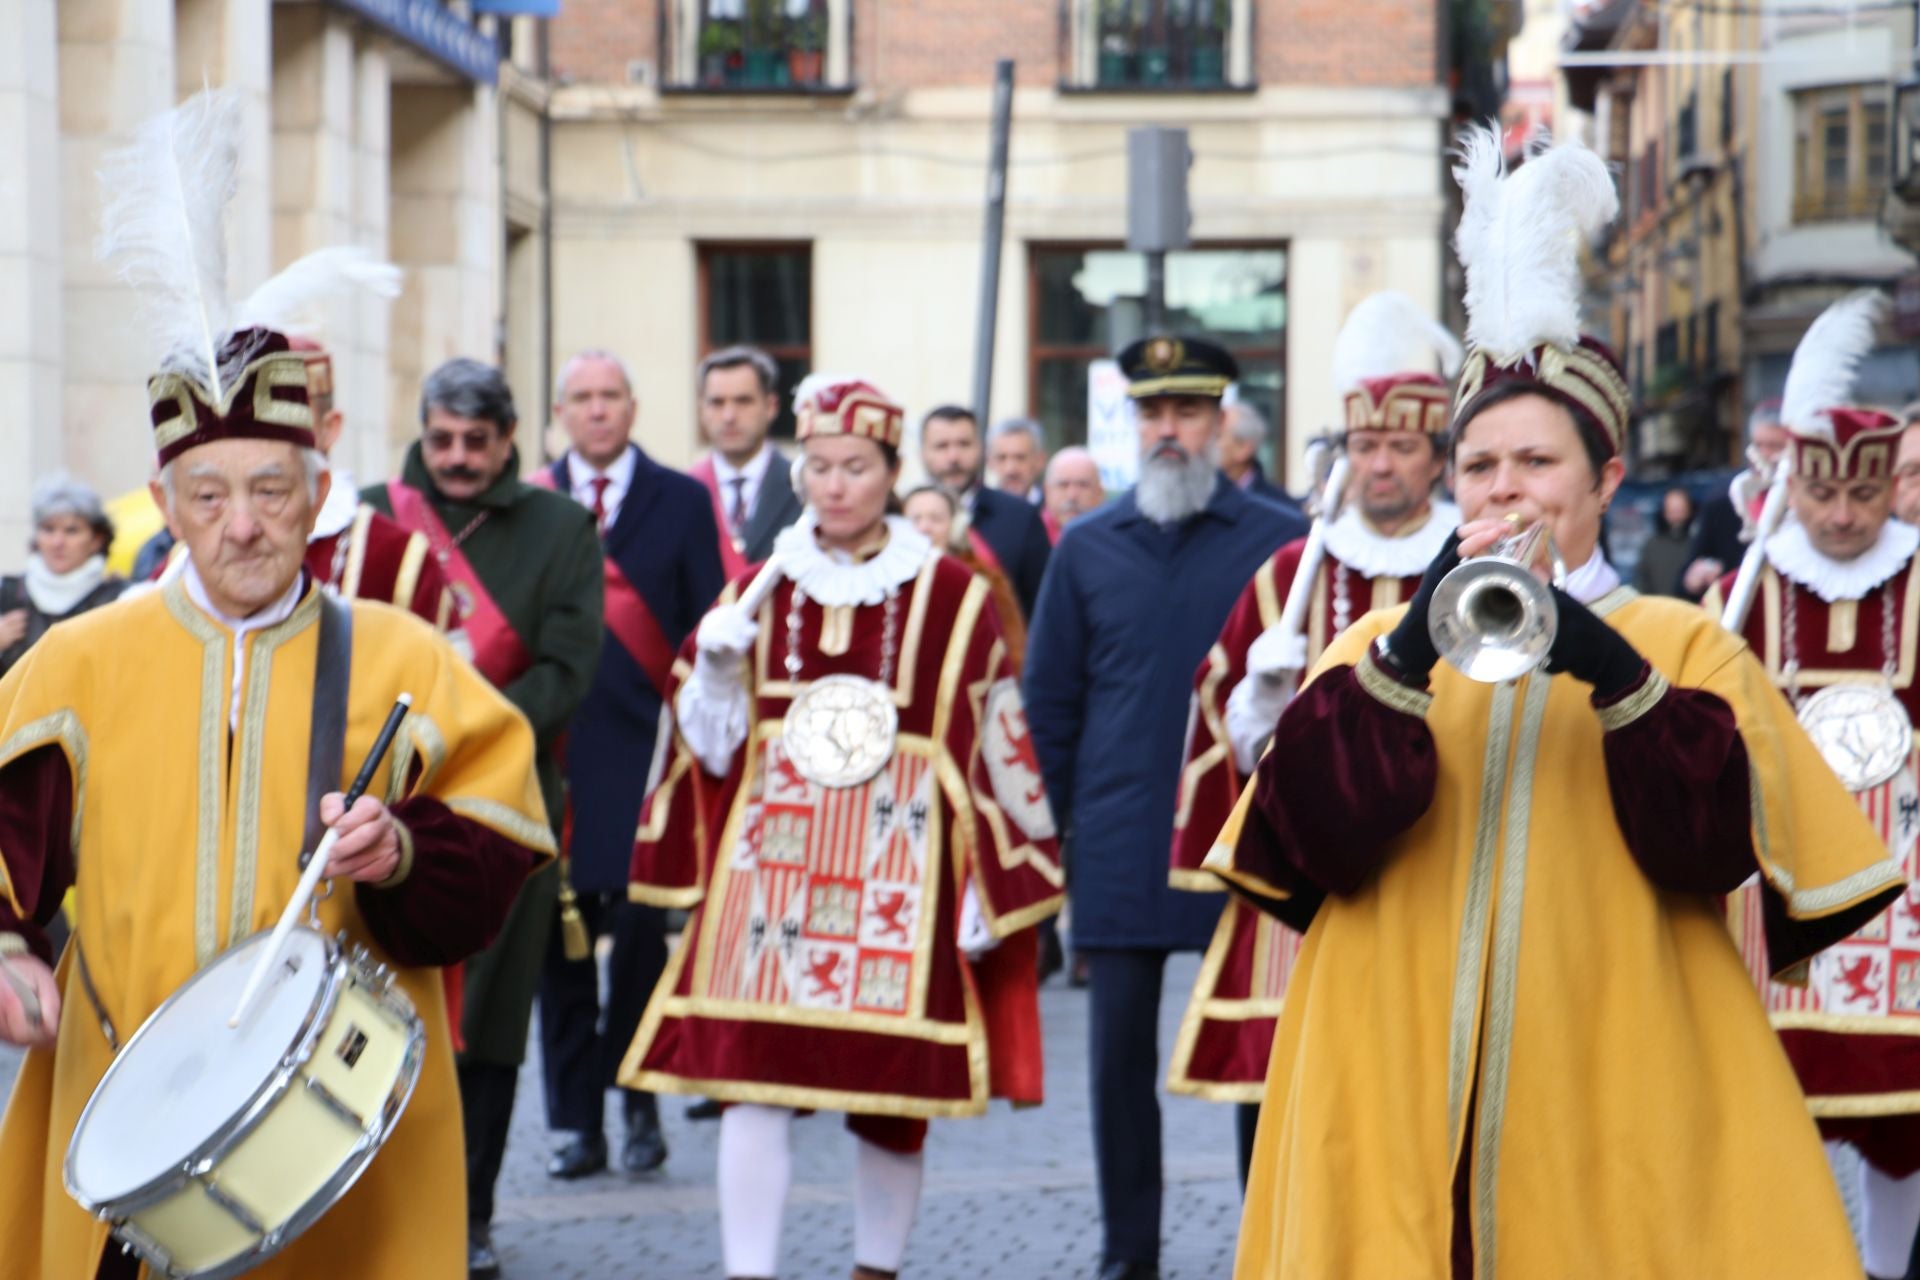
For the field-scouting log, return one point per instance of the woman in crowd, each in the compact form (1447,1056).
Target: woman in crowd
(934,511)
(66,569)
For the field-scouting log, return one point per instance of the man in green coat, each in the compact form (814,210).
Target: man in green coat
(525,567)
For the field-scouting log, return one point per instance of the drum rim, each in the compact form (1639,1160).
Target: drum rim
(244,1119)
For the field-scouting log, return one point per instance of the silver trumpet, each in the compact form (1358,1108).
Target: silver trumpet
(1490,617)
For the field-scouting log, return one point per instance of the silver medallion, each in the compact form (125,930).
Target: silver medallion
(1861,731)
(839,730)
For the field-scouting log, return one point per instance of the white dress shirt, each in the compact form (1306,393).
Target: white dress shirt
(274,614)
(725,473)
(619,479)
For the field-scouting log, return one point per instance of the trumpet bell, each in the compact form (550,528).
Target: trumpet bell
(1492,619)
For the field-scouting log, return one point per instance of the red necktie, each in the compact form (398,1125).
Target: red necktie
(600,484)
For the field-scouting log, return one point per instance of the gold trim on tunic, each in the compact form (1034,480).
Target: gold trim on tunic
(356,536)
(1388,691)
(63,727)
(1636,704)
(509,822)
(1468,968)
(1810,678)
(215,692)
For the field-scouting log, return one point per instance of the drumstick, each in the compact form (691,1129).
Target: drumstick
(29,1001)
(317,865)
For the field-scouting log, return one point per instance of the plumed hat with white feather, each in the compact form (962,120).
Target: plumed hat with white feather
(1519,240)
(227,371)
(1834,439)
(1383,364)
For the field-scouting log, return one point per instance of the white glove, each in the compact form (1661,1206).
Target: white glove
(1274,651)
(1253,708)
(725,637)
(712,708)
(975,938)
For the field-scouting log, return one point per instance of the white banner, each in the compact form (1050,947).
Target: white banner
(1112,436)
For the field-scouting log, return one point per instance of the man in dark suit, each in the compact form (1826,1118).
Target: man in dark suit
(1243,434)
(750,481)
(662,571)
(1010,525)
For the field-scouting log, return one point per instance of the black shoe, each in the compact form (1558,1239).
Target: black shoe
(482,1262)
(646,1147)
(584,1153)
(705,1109)
(1078,976)
(1130,1271)
(1051,960)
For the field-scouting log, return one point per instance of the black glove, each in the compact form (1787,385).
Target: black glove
(1587,649)
(1410,645)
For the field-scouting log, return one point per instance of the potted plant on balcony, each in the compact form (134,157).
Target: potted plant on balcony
(807,58)
(719,51)
(766,58)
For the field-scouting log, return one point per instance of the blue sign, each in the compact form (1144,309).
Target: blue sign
(519,8)
(436,31)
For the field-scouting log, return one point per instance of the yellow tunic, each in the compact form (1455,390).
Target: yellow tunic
(183,847)
(1511,992)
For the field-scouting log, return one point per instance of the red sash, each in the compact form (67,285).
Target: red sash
(983,551)
(628,617)
(497,650)
(732,559)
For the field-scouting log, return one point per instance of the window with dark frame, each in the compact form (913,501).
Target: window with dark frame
(760,295)
(1087,301)
(1174,44)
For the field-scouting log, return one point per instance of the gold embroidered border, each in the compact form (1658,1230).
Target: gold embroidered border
(1388,691)
(1266,592)
(1463,1020)
(1840,1106)
(63,727)
(1846,1023)
(803,1098)
(263,645)
(1191,1020)
(407,581)
(1636,704)
(653,896)
(1211,385)
(1504,981)
(1842,893)
(215,691)
(356,536)
(1194,880)
(509,822)
(1612,602)
(404,867)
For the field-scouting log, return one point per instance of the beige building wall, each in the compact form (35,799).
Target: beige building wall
(890,195)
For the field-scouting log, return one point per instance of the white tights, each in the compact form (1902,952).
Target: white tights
(1889,1217)
(756,1169)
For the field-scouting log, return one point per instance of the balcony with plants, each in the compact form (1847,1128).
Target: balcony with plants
(1179,46)
(761,46)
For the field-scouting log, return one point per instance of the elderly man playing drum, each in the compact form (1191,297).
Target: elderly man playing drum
(172,756)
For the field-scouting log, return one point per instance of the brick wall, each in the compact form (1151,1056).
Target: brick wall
(1361,43)
(900,44)
(593,40)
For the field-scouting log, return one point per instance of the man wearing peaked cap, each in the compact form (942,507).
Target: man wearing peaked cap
(1380,533)
(1131,603)
(1835,619)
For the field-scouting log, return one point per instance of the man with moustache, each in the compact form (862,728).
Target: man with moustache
(526,569)
(1009,524)
(1017,457)
(1385,530)
(750,480)
(1071,489)
(1131,604)
(662,571)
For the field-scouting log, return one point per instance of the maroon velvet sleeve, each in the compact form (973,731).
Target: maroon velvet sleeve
(464,879)
(1346,775)
(1678,778)
(36,836)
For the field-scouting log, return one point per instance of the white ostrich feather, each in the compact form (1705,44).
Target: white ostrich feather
(1519,240)
(298,301)
(1821,375)
(1388,333)
(163,226)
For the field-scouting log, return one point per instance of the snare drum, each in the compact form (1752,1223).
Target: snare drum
(208,1148)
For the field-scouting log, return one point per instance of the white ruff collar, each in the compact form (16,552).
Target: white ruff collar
(834,579)
(1793,556)
(340,508)
(1372,554)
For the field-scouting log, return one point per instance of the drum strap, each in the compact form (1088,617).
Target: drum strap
(93,997)
(327,742)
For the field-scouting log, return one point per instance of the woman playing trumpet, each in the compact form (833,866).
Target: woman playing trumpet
(1518,1040)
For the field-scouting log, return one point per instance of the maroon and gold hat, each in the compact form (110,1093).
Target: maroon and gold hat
(847,407)
(1834,438)
(1383,360)
(263,395)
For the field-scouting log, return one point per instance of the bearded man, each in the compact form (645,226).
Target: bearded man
(1130,605)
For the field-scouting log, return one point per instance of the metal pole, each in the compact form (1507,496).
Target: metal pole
(990,240)
(1156,291)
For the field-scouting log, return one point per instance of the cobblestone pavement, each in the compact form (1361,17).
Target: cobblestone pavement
(1009,1196)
